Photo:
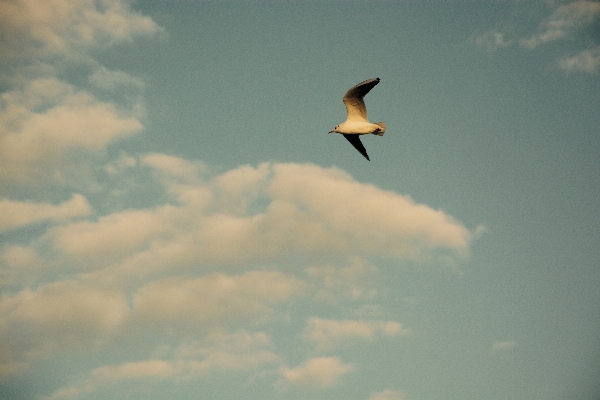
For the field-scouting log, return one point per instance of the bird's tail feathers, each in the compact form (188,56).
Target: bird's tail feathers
(382,126)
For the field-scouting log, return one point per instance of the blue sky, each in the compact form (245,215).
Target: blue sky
(177,223)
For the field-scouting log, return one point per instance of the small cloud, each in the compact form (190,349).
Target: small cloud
(19,213)
(492,40)
(316,372)
(174,168)
(108,80)
(586,61)
(501,346)
(354,281)
(388,394)
(327,334)
(479,231)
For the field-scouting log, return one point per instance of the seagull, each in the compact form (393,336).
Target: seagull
(357,122)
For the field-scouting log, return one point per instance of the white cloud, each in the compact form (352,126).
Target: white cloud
(327,334)
(492,40)
(388,394)
(219,353)
(109,80)
(240,351)
(174,169)
(45,28)
(354,281)
(564,21)
(367,217)
(57,316)
(261,214)
(213,302)
(19,257)
(316,373)
(586,61)
(44,122)
(505,345)
(114,235)
(19,213)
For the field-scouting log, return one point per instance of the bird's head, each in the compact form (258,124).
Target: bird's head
(334,129)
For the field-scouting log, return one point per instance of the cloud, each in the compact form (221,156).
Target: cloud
(20,257)
(46,121)
(213,302)
(19,213)
(368,217)
(586,61)
(327,334)
(220,353)
(316,373)
(388,394)
(354,281)
(116,234)
(112,81)
(58,315)
(47,28)
(48,124)
(267,213)
(492,40)
(501,346)
(563,22)
(152,269)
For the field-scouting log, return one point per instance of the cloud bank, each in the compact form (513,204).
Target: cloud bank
(192,282)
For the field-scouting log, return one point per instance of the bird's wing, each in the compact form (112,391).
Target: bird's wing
(353,99)
(355,141)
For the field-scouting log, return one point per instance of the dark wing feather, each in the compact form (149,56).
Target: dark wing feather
(355,141)
(353,99)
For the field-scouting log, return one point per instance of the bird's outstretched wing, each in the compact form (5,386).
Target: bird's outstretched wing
(355,141)
(353,99)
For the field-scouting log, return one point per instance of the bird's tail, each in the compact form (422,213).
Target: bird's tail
(382,131)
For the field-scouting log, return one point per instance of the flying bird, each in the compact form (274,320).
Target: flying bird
(357,122)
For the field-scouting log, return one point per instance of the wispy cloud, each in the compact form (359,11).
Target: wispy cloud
(492,40)
(356,280)
(239,351)
(327,334)
(183,306)
(503,345)
(39,30)
(565,22)
(388,394)
(586,61)
(316,372)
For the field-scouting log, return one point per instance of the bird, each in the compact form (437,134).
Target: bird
(357,123)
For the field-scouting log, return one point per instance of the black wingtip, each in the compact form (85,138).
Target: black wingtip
(355,141)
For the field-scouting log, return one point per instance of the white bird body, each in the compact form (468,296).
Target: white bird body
(360,128)
(357,122)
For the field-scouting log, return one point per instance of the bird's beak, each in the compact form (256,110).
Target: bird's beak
(330,131)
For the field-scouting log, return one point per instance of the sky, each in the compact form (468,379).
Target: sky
(175,221)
